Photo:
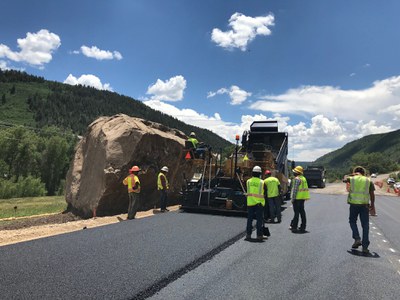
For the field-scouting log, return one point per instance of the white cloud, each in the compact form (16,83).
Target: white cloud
(36,49)
(244,30)
(367,104)
(237,95)
(88,80)
(170,90)
(98,54)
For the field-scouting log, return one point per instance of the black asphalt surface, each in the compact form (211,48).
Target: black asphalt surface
(131,259)
(315,265)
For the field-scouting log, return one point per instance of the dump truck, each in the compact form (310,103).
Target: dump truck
(315,176)
(221,186)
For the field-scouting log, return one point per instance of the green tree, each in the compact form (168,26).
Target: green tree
(3,99)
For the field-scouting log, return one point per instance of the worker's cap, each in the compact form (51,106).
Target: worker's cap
(359,169)
(134,169)
(192,134)
(267,172)
(165,169)
(298,170)
(257,169)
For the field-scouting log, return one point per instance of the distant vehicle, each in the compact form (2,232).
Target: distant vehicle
(315,176)
(391,181)
(397,185)
(373,175)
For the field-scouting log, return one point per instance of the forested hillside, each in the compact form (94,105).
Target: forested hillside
(39,124)
(33,101)
(379,153)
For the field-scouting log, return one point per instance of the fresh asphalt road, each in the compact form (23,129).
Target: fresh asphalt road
(315,265)
(194,256)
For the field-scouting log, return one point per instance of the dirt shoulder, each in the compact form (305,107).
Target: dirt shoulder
(25,229)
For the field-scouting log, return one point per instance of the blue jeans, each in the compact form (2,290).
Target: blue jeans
(298,207)
(256,210)
(363,211)
(275,208)
(163,199)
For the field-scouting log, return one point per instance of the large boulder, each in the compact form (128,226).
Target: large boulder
(104,155)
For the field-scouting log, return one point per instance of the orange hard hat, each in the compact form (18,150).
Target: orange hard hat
(134,169)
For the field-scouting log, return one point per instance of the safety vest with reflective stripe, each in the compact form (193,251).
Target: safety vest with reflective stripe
(359,190)
(194,142)
(302,192)
(272,184)
(159,184)
(255,191)
(130,181)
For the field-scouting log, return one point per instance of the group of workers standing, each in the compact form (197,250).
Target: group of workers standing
(262,194)
(264,199)
(133,183)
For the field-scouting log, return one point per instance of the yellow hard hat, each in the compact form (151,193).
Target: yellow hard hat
(298,170)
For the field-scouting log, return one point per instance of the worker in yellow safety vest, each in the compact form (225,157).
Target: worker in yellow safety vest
(255,203)
(273,188)
(133,183)
(163,186)
(299,195)
(192,138)
(361,193)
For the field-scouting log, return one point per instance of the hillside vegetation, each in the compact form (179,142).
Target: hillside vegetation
(33,101)
(378,153)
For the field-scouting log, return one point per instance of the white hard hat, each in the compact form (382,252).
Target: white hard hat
(165,169)
(192,134)
(257,169)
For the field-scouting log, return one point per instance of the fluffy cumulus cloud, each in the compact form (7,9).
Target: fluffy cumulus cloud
(169,90)
(237,95)
(330,117)
(36,49)
(244,30)
(368,104)
(88,80)
(99,54)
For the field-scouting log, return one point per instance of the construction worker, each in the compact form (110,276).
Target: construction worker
(163,186)
(361,193)
(133,183)
(299,195)
(193,140)
(255,203)
(273,188)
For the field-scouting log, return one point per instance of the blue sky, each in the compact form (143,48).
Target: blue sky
(328,71)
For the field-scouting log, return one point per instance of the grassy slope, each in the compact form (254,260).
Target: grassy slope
(31,206)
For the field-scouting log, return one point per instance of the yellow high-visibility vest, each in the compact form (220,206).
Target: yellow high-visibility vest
(272,184)
(255,191)
(130,181)
(302,192)
(358,190)
(159,185)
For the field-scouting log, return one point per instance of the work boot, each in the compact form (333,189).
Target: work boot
(357,243)
(248,237)
(259,238)
(365,250)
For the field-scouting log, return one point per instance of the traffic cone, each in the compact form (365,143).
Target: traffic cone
(188,156)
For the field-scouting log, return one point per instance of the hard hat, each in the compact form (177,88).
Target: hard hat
(192,134)
(134,169)
(298,170)
(359,169)
(267,172)
(257,169)
(165,169)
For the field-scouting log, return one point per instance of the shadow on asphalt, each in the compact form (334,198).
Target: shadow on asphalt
(360,253)
(251,240)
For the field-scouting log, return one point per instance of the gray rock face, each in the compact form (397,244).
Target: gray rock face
(103,157)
